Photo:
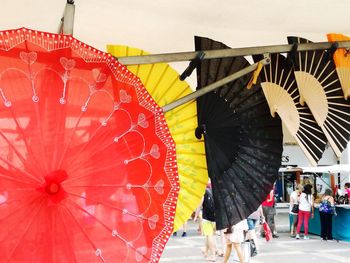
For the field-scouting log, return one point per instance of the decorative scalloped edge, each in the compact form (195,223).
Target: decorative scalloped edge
(49,41)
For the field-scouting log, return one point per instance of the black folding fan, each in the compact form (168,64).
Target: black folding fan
(243,142)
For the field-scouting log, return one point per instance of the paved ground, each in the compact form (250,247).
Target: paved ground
(284,249)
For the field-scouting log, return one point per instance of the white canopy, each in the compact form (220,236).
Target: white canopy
(319,169)
(169,26)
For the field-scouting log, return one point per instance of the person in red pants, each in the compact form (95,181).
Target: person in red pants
(306,209)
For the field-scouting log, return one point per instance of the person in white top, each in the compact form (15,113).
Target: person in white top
(293,200)
(234,237)
(306,208)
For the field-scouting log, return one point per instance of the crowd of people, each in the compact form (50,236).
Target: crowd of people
(301,209)
(230,238)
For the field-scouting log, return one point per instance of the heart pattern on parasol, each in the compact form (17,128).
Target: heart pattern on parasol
(88,166)
(164,85)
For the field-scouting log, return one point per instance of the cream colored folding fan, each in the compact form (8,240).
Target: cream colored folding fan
(281,92)
(320,89)
(163,83)
(342,62)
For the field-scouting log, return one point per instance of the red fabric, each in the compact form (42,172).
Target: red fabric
(267,230)
(303,217)
(270,200)
(87,164)
(347,191)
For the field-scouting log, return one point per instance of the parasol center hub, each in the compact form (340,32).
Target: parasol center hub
(54,180)
(53,188)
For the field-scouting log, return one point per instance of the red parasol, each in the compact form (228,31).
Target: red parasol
(87,164)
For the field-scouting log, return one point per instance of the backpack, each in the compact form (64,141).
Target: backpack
(208,206)
(326,207)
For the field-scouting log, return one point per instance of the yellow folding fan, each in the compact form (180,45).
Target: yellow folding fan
(163,83)
(342,62)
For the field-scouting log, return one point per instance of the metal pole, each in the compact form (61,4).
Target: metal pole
(234,52)
(283,190)
(315,184)
(68,18)
(339,181)
(214,86)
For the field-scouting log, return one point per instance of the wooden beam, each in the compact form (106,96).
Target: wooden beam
(214,86)
(222,53)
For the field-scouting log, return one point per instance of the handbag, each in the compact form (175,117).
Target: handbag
(267,230)
(245,251)
(253,250)
(295,208)
(326,207)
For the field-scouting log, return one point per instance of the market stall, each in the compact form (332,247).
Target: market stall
(321,178)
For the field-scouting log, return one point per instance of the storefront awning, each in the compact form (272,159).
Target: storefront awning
(319,169)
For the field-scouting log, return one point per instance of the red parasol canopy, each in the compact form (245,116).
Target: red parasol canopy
(87,164)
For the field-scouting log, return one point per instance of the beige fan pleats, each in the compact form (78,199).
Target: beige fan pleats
(320,89)
(281,91)
(309,91)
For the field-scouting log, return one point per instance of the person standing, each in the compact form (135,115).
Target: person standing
(184,230)
(347,188)
(347,192)
(269,212)
(326,211)
(208,224)
(306,204)
(293,205)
